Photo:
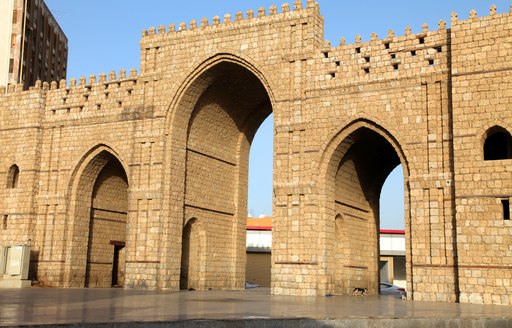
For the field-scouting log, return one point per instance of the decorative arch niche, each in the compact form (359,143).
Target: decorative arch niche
(95,254)
(13,177)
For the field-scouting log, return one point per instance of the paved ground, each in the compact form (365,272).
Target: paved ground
(250,308)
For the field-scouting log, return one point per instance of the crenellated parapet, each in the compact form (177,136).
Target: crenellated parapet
(205,26)
(11,88)
(272,37)
(396,56)
(96,97)
(387,58)
(482,41)
(100,95)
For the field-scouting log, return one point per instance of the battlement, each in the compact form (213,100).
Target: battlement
(410,54)
(94,80)
(100,95)
(473,16)
(454,20)
(386,58)
(204,25)
(390,57)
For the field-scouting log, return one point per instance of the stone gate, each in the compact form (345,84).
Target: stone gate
(140,180)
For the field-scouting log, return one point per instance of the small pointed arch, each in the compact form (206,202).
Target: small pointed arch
(13,177)
(342,235)
(497,144)
(98,189)
(339,223)
(340,231)
(94,152)
(192,256)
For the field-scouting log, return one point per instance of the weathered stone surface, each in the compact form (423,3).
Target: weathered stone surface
(158,161)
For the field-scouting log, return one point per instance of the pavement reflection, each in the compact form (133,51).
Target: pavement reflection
(39,306)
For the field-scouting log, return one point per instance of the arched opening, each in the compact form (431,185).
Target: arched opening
(107,227)
(392,263)
(98,222)
(392,201)
(192,258)
(259,226)
(228,103)
(498,144)
(261,170)
(13,177)
(360,165)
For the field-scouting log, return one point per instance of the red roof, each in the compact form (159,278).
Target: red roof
(392,232)
(262,224)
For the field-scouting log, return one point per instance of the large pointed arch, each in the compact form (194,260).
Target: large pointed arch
(341,139)
(92,152)
(98,191)
(352,169)
(221,103)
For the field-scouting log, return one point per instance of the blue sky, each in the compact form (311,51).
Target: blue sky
(104,36)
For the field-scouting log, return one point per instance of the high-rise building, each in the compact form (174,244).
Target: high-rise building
(32,44)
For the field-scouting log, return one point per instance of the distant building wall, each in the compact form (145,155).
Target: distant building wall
(259,251)
(6,10)
(392,257)
(37,47)
(259,266)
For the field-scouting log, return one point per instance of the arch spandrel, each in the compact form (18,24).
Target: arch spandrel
(192,83)
(341,138)
(91,153)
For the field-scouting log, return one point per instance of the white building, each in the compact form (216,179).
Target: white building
(392,257)
(259,249)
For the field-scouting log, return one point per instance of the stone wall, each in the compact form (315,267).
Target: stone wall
(481,98)
(179,134)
